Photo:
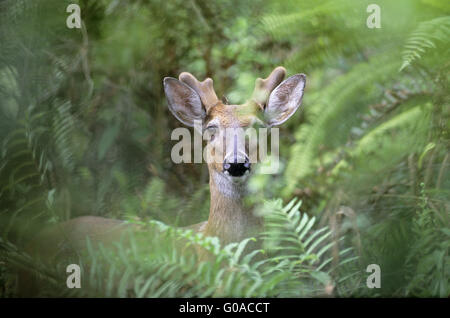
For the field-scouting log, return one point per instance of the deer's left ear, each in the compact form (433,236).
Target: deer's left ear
(284,100)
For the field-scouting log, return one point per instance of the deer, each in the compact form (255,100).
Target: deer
(273,101)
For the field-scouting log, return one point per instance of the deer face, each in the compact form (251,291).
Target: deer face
(225,126)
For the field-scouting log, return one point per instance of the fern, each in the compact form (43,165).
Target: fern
(331,110)
(428,261)
(425,38)
(295,263)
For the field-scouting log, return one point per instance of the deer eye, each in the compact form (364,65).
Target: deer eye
(211,131)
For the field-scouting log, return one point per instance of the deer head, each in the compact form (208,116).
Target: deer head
(273,101)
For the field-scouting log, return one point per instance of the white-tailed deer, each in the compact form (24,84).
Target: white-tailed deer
(272,103)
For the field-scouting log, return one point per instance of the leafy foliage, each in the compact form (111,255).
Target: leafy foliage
(292,267)
(424,37)
(84,130)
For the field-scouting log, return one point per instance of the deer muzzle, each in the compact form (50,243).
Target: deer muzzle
(236,163)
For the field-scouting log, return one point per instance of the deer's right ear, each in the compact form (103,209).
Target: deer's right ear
(184,102)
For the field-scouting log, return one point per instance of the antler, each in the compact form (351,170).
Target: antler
(204,89)
(263,87)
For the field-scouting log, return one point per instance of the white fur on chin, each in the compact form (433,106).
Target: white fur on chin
(232,187)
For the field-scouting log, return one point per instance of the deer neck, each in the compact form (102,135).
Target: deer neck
(229,219)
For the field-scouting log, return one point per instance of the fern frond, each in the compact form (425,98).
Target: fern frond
(425,38)
(330,112)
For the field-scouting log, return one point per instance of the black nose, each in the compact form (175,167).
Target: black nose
(236,169)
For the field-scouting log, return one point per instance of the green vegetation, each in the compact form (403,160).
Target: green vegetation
(85,130)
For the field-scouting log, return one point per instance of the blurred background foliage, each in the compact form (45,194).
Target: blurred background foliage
(85,130)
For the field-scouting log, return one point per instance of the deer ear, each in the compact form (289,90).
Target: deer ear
(184,102)
(284,100)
